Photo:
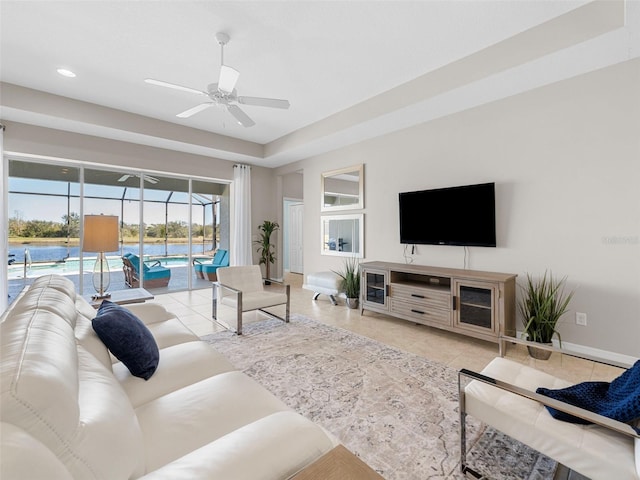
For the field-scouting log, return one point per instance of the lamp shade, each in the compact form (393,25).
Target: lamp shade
(100,233)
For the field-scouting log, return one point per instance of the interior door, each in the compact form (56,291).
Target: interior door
(296,264)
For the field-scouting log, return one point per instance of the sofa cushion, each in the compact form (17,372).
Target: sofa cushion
(89,339)
(171,332)
(150,312)
(127,338)
(52,293)
(180,365)
(23,456)
(107,442)
(38,351)
(201,413)
(261,455)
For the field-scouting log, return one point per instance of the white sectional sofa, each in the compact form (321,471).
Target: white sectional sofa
(70,410)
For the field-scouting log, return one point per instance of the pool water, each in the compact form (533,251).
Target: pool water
(72,266)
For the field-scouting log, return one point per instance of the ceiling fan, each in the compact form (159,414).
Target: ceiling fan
(147,178)
(223,93)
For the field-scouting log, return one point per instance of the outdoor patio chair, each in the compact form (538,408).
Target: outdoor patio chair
(504,396)
(208,270)
(242,289)
(155,275)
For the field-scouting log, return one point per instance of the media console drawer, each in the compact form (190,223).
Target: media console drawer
(420,313)
(421,295)
(422,304)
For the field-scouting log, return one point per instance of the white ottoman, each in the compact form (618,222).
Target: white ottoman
(327,283)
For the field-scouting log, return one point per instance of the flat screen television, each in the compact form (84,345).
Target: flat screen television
(464,215)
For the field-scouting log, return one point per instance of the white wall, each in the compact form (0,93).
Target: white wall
(566,162)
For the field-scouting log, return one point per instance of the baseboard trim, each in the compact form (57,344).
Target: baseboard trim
(594,352)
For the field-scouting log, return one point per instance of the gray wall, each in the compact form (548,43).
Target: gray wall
(566,162)
(27,139)
(565,159)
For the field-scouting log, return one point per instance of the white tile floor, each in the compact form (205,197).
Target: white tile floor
(458,351)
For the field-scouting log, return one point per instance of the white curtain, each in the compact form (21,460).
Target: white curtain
(241,251)
(4,232)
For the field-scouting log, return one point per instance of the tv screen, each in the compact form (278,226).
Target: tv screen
(463,215)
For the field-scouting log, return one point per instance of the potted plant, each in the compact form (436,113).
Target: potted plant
(543,303)
(265,248)
(351,281)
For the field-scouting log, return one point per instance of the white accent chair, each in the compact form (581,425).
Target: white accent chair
(503,396)
(242,289)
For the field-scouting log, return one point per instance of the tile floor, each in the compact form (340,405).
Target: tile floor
(457,351)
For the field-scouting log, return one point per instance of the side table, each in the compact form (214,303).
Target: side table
(338,464)
(122,297)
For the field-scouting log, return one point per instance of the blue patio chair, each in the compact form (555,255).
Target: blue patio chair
(209,269)
(155,275)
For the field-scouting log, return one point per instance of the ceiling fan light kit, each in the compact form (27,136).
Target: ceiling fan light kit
(223,93)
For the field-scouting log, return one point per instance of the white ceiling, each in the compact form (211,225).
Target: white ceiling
(325,57)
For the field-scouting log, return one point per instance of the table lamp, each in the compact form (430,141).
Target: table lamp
(100,235)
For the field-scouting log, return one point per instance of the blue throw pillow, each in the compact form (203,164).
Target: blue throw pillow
(127,338)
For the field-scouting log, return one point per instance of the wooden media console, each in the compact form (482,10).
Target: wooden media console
(474,303)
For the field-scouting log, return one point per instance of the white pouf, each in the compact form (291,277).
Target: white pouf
(327,283)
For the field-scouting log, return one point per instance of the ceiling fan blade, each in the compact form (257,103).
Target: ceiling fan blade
(228,79)
(150,179)
(160,83)
(124,178)
(264,102)
(194,110)
(242,118)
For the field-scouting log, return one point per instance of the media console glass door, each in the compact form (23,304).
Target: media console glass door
(475,306)
(374,288)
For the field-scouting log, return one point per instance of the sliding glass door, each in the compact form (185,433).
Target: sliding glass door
(43,221)
(165,222)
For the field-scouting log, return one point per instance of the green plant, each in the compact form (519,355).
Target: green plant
(350,275)
(265,248)
(543,303)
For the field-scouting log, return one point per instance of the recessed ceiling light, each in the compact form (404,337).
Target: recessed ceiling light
(66,73)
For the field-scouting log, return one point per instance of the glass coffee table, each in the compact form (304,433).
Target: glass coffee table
(122,297)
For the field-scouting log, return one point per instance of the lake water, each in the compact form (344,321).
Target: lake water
(56,253)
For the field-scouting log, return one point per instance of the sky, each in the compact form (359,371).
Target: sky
(51,203)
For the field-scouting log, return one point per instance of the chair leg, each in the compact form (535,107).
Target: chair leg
(214,301)
(466,470)
(463,429)
(288,292)
(562,473)
(239,313)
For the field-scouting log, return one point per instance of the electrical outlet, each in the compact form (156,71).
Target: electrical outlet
(581,319)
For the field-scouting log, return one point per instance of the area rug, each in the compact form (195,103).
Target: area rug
(395,410)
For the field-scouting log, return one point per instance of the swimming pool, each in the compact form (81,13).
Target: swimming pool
(72,266)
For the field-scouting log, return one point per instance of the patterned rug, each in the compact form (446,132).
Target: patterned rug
(395,410)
